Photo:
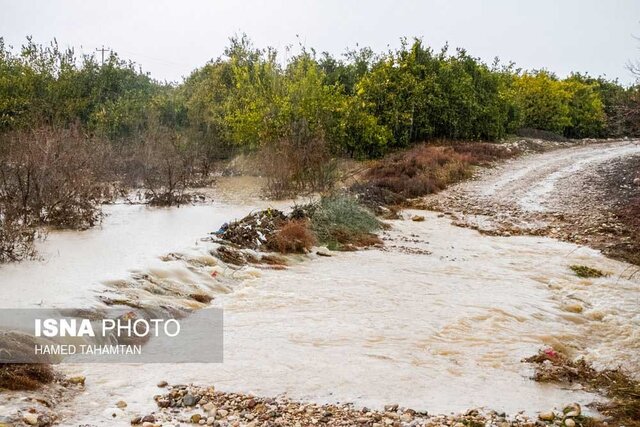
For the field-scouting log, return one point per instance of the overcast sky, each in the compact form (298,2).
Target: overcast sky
(170,38)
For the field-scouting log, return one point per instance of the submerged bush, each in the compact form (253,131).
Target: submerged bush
(587,272)
(16,239)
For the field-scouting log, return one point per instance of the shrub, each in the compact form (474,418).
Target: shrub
(294,236)
(298,164)
(52,176)
(166,167)
(339,220)
(16,239)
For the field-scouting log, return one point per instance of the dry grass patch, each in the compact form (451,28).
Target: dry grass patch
(294,236)
(423,170)
(22,376)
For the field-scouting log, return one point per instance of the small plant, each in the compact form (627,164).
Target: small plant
(587,272)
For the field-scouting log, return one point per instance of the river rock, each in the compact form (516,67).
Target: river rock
(572,410)
(77,380)
(636,181)
(223,412)
(121,404)
(323,251)
(210,421)
(195,418)
(569,422)
(148,419)
(31,419)
(547,416)
(189,400)
(162,384)
(391,408)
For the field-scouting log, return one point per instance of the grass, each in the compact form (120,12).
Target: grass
(21,376)
(623,391)
(585,272)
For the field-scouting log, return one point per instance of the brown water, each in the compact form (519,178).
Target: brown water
(444,331)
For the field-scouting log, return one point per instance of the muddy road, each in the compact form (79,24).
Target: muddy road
(586,194)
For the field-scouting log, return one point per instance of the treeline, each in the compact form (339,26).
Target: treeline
(363,104)
(74,130)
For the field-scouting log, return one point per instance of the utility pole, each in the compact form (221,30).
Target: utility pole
(102,51)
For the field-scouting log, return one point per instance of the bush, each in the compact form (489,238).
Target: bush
(52,176)
(339,220)
(16,239)
(167,168)
(294,236)
(298,164)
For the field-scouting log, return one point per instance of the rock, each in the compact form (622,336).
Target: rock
(569,422)
(636,181)
(209,407)
(136,420)
(31,419)
(163,402)
(148,424)
(391,408)
(121,404)
(195,418)
(573,308)
(210,421)
(77,380)
(148,419)
(572,410)
(163,384)
(322,251)
(406,418)
(223,412)
(547,416)
(189,400)
(417,218)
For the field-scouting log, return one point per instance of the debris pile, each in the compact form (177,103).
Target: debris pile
(254,230)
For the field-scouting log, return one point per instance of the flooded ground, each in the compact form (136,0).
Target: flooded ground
(438,320)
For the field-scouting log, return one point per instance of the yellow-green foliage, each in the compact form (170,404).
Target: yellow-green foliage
(570,107)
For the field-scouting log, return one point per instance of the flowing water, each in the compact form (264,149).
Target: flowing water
(439,320)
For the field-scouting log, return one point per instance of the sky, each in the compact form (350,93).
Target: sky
(171,38)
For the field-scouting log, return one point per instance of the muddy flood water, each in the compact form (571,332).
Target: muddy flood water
(438,320)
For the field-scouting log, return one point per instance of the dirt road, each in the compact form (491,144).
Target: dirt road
(588,194)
